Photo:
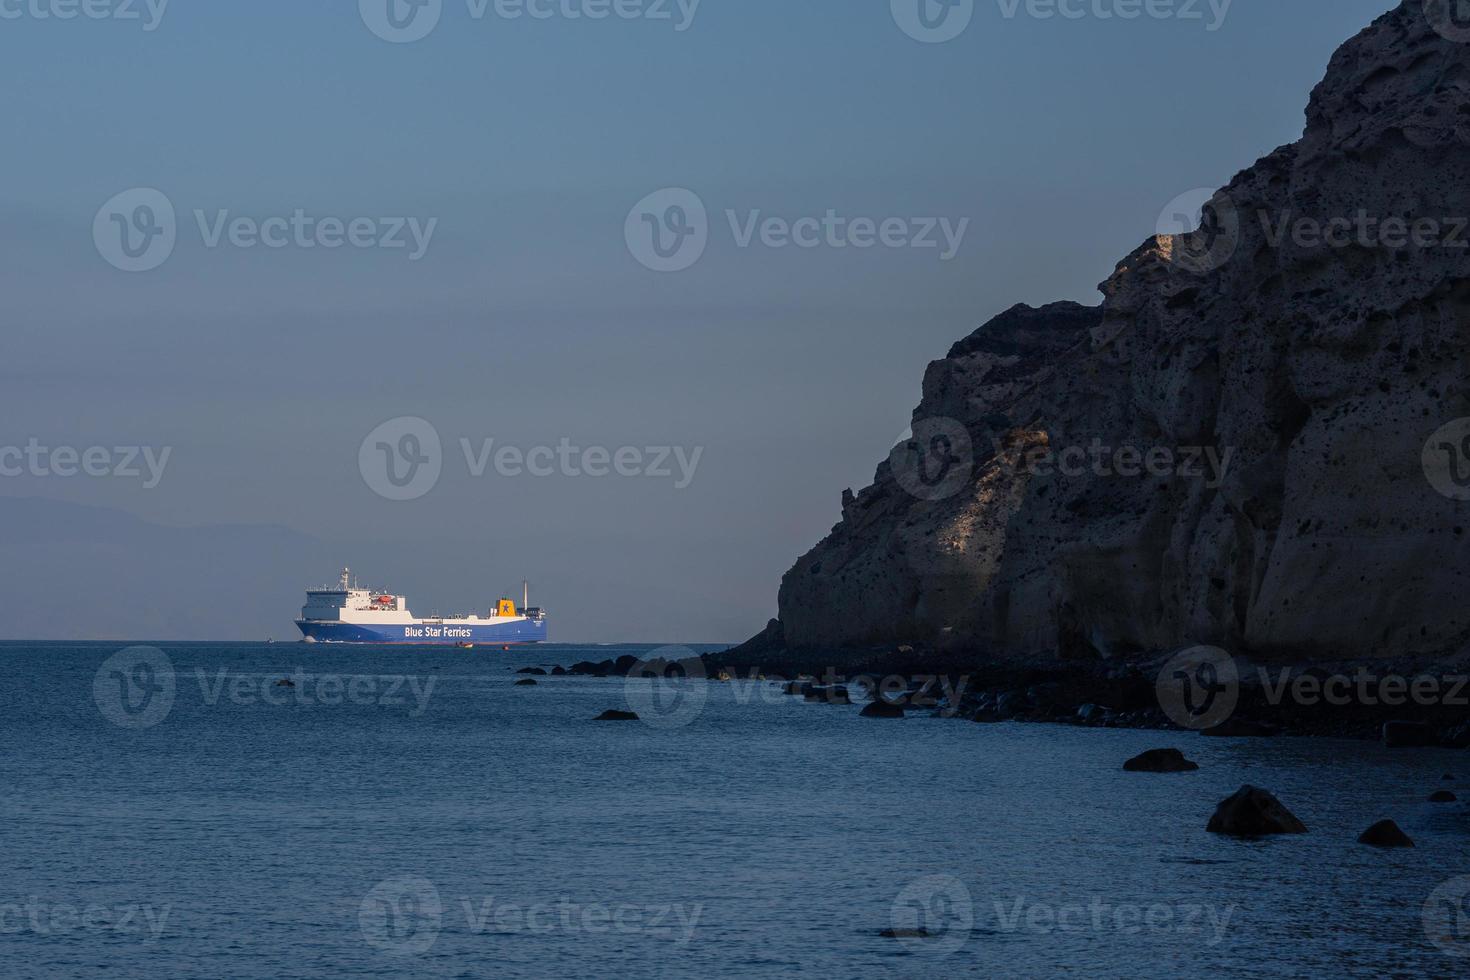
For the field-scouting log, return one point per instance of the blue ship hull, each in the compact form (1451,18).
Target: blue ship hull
(524,631)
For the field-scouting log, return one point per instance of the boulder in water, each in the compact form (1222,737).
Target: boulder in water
(526,682)
(1443,796)
(615,715)
(1385,833)
(1160,760)
(1253,812)
(879,708)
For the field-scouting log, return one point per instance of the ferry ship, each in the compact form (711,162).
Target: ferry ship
(352,614)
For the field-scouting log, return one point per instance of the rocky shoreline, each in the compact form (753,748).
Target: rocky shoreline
(1270,699)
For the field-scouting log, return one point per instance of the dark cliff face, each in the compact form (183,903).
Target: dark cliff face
(1237,448)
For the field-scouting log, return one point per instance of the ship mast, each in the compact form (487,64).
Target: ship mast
(525,596)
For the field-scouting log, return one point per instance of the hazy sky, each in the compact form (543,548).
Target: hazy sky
(519,148)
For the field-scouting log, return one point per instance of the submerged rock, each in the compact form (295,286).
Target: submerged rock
(615,715)
(1385,833)
(1443,796)
(526,682)
(1408,735)
(919,933)
(1253,812)
(881,709)
(1160,760)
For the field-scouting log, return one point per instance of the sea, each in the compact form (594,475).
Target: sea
(175,810)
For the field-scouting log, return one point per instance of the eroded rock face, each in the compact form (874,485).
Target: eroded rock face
(1291,379)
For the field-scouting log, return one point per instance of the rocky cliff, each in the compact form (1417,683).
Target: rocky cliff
(1238,447)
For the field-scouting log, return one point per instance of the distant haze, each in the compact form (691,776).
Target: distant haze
(527,319)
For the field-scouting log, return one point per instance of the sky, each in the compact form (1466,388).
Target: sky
(273,247)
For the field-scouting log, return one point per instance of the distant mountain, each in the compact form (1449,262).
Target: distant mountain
(78,572)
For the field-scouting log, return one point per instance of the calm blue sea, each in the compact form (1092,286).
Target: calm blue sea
(413,813)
